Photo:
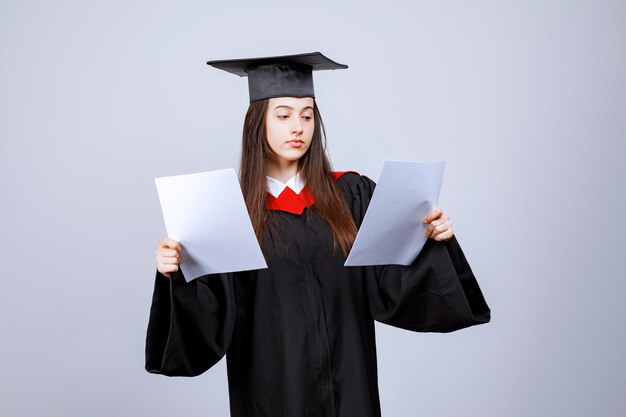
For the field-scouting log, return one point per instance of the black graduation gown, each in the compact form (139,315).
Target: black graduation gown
(299,336)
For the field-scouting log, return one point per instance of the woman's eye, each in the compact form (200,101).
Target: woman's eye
(283,116)
(307,118)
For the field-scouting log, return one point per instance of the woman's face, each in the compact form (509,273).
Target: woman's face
(289,127)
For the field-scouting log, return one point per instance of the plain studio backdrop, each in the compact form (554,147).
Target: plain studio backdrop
(526,101)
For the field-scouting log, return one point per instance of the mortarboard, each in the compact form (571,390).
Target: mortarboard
(279,76)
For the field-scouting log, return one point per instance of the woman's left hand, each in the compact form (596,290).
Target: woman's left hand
(439,225)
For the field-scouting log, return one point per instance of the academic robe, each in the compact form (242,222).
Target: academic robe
(299,336)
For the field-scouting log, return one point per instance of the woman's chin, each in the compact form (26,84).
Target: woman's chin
(291,157)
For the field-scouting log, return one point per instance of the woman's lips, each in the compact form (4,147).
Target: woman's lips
(296,143)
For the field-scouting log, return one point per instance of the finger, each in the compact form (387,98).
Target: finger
(447,235)
(435,223)
(170,243)
(432,215)
(438,230)
(167,252)
(441,220)
(168,268)
(168,260)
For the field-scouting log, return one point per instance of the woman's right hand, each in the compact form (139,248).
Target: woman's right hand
(168,256)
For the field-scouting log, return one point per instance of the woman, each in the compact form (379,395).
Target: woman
(299,335)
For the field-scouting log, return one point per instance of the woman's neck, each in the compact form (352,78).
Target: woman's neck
(283,171)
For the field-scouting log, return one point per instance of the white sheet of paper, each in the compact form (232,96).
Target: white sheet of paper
(207,215)
(392,231)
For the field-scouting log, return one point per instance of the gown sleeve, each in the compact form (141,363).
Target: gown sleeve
(438,292)
(191,323)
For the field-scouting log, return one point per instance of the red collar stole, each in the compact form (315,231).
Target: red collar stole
(294,203)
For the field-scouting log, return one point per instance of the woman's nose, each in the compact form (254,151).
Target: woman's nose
(297,126)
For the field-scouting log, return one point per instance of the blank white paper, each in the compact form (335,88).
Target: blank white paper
(392,231)
(207,215)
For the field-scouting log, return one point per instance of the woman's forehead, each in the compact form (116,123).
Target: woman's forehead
(296,103)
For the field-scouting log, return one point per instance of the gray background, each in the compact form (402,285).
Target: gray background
(525,100)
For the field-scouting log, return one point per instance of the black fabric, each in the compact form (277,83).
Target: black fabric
(280,81)
(299,336)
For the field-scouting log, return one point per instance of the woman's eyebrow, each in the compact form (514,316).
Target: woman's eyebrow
(291,108)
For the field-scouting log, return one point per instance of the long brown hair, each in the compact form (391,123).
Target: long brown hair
(313,166)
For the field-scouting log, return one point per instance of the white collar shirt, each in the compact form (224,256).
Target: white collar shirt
(275,187)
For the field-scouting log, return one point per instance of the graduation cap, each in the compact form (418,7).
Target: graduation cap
(279,76)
